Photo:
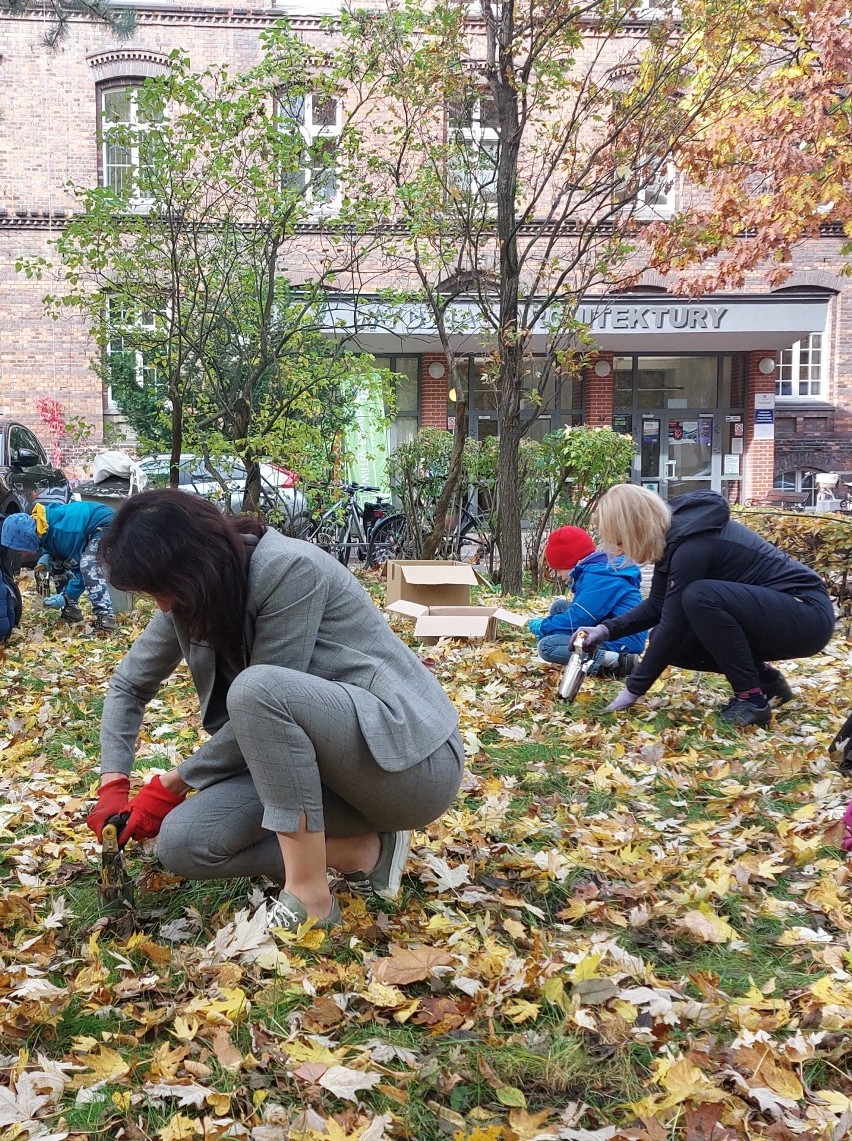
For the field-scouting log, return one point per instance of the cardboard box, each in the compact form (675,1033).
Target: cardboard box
(430,582)
(470,622)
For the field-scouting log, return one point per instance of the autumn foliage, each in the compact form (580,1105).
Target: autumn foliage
(633,927)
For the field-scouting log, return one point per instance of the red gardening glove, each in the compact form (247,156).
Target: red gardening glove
(148,808)
(112,800)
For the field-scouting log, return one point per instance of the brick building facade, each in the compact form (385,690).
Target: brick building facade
(692,380)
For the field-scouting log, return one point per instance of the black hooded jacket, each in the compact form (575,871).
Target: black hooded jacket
(703,542)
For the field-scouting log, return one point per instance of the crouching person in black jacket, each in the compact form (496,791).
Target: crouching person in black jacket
(840,749)
(722,598)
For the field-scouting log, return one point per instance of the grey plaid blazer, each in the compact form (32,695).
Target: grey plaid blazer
(308,613)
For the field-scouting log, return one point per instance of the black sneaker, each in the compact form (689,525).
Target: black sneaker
(71,612)
(627,663)
(741,712)
(778,689)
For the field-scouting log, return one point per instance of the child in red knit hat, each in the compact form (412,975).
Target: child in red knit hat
(602,587)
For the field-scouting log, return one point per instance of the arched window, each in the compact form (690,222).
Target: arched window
(125,123)
(797,483)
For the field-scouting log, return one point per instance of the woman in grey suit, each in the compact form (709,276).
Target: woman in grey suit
(329,737)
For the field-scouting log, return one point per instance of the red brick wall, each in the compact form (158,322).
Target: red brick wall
(433,393)
(759,467)
(598,396)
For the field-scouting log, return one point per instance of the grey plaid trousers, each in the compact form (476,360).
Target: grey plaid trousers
(305,756)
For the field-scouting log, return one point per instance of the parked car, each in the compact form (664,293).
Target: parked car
(26,474)
(280,499)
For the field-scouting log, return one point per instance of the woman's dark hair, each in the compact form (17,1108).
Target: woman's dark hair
(170,542)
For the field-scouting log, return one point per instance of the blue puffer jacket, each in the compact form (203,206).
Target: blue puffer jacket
(602,588)
(70,526)
(10,605)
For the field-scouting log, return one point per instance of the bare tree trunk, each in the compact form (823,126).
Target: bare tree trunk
(454,476)
(241,416)
(177,440)
(508,493)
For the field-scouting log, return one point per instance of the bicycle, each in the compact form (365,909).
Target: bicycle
(346,526)
(465,539)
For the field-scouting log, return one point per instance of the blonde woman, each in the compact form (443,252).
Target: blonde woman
(722,599)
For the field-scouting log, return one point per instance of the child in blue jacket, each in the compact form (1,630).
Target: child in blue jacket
(602,586)
(10,604)
(68,535)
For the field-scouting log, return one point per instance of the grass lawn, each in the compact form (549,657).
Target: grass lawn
(634,926)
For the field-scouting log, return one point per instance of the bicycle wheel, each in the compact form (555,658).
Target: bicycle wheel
(389,540)
(470,541)
(341,546)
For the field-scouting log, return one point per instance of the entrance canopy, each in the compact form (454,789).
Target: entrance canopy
(623,324)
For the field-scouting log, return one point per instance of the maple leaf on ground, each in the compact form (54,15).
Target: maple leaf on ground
(345,1082)
(185,1093)
(442,875)
(404,965)
(244,938)
(25,1102)
(707,926)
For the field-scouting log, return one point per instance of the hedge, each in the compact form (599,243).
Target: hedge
(822,542)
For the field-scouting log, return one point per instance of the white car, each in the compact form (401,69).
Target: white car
(281,501)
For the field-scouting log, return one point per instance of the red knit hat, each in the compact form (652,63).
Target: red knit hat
(566,546)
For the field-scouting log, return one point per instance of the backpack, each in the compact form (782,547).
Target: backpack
(10,604)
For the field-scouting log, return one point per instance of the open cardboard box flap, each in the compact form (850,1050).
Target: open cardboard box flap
(433,622)
(438,573)
(510,616)
(410,609)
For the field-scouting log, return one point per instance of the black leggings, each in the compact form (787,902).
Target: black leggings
(736,629)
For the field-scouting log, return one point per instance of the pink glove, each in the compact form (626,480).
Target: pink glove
(148,809)
(112,801)
(623,701)
(847,821)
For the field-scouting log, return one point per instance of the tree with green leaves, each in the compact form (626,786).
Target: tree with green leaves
(517,156)
(119,22)
(179,261)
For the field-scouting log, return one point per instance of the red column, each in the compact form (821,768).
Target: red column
(598,395)
(759,466)
(433,392)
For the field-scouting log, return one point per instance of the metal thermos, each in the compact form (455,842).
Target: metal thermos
(575,671)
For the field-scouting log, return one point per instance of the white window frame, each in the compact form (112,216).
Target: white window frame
(477,141)
(117,326)
(300,111)
(802,369)
(796,481)
(657,10)
(139,201)
(641,203)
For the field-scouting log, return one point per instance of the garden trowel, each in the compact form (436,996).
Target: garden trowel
(115,890)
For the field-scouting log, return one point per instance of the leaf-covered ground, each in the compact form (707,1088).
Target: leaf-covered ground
(634,927)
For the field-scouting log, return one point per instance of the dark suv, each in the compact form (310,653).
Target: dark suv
(26,474)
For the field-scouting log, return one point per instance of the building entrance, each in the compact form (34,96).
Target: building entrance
(676,453)
(681,416)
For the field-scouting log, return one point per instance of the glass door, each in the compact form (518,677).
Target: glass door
(676,452)
(689,460)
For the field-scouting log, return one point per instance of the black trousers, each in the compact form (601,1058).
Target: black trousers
(735,629)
